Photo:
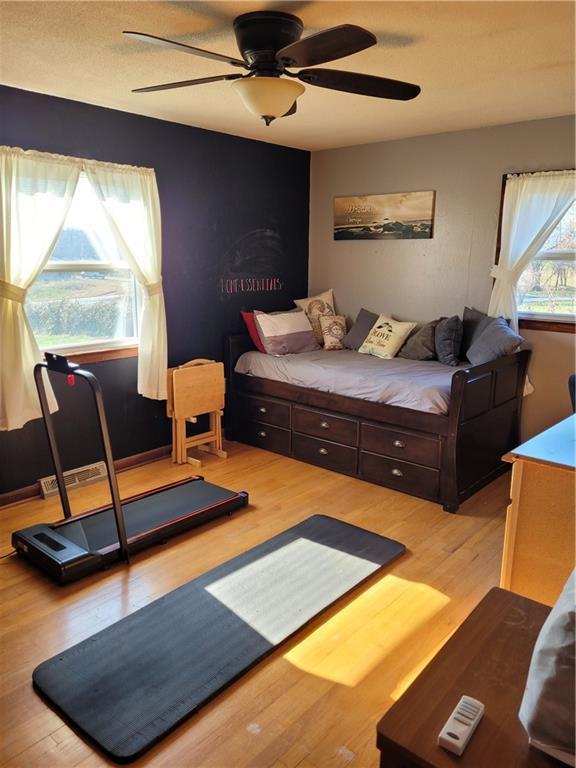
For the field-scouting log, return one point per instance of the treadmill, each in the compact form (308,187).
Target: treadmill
(79,545)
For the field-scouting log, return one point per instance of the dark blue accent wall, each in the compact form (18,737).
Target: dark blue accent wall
(234,235)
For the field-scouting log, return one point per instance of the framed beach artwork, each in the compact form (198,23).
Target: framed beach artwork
(395,216)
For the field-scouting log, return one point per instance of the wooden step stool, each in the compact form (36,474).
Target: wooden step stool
(196,388)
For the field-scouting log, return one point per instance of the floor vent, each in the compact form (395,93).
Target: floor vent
(73,478)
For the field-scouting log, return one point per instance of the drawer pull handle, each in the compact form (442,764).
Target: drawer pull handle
(397,472)
(323,451)
(262,409)
(399,444)
(324,425)
(261,433)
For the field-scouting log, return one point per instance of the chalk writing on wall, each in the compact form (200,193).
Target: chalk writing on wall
(231,285)
(253,264)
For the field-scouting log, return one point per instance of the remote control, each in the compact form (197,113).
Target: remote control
(461,724)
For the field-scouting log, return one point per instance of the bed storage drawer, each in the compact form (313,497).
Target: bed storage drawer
(340,458)
(265,436)
(325,426)
(264,409)
(400,475)
(406,446)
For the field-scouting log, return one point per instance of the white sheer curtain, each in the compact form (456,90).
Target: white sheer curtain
(130,200)
(534,204)
(36,191)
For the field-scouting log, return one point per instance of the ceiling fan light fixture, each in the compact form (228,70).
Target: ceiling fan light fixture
(268,97)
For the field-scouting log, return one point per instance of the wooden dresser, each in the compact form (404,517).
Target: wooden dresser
(538,551)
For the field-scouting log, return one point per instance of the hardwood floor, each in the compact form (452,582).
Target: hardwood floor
(315,702)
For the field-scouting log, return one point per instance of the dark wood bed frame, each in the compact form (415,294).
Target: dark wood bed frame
(442,458)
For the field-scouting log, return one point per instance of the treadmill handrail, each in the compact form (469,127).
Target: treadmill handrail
(60,365)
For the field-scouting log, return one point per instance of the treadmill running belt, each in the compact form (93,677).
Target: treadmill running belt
(97,531)
(127,686)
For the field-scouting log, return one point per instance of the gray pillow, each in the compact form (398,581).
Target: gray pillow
(421,345)
(448,340)
(474,322)
(496,340)
(356,336)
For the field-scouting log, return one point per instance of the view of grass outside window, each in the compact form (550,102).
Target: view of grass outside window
(547,287)
(86,296)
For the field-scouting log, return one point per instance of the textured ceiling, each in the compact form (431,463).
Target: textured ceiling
(478,63)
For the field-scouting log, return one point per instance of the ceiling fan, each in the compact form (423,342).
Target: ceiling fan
(269,43)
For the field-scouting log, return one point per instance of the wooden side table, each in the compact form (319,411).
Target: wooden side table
(487,658)
(538,555)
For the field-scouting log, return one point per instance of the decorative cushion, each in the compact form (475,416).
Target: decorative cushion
(547,709)
(284,333)
(315,307)
(250,324)
(421,345)
(333,330)
(474,322)
(448,340)
(356,336)
(496,340)
(386,337)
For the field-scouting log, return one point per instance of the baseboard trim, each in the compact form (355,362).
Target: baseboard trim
(120,465)
(142,458)
(19,494)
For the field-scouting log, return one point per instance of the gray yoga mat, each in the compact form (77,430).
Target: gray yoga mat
(130,684)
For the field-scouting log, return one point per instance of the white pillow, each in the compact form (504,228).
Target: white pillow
(386,337)
(315,307)
(547,709)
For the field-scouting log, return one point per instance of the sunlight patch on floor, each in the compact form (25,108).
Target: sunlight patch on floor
(347,648)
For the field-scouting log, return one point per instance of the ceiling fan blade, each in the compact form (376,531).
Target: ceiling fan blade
(185,48)
(185,83)
(291,111)
(354,82)
(326,46)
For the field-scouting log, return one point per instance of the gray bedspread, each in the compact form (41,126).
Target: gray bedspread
(422,386)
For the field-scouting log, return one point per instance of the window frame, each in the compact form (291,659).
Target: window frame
(558,323)
(106,349)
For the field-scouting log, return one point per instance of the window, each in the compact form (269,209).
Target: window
(547,288)
(86,298)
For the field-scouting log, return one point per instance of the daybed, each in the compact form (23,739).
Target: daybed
(444,457)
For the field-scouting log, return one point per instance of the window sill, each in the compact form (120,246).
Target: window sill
(98,355)
(552,326)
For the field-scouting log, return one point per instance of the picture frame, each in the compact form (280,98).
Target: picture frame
(389,216)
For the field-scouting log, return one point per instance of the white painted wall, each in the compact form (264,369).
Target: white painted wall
(423,279)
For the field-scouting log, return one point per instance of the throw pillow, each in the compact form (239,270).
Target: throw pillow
(547,708)
(250,324)
(473,322)
(284,333)
(448,340)
(386,337)
(333,330)
(315,307)
(497,340)
(421,345)
(356,336)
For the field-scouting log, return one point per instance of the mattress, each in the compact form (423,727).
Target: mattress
(421,386)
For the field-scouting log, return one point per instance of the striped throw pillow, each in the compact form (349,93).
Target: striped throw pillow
(285,333)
